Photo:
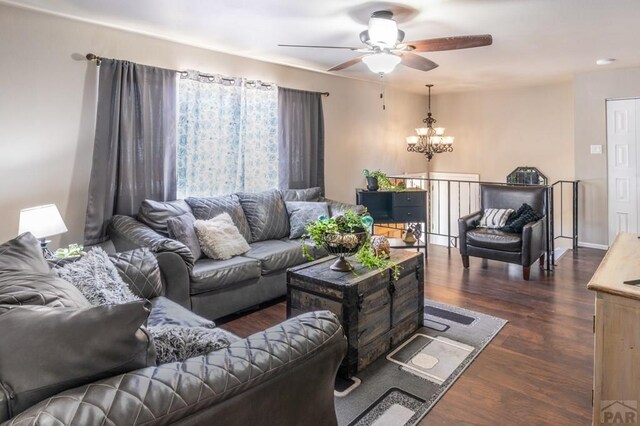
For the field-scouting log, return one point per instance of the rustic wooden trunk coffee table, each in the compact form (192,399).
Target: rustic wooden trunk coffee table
(376,311)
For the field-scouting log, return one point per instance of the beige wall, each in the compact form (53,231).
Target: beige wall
(499,130)
(591,92)
(47,112)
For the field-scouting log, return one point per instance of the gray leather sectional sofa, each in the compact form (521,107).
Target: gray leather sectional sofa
(215,288)
(281,376)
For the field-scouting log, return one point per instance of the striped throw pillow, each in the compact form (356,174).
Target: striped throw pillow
(494,218)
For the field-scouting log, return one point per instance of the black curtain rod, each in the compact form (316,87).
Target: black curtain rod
(98,59)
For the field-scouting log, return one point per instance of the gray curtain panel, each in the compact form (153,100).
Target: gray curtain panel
(301,139)
(134,155)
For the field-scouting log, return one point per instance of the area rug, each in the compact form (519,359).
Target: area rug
(400,388)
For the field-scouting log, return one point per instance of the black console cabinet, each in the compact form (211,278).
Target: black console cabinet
(394,206)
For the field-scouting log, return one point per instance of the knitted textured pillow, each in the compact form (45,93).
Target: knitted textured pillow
(494,218)
(97,279)
(219,238)
(525,214)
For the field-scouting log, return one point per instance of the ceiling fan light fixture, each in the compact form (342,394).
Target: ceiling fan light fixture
(383,31)
(381,63)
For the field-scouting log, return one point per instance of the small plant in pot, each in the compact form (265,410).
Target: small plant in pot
(345,235)
(377,179)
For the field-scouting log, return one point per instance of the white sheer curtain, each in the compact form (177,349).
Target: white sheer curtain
(227,136)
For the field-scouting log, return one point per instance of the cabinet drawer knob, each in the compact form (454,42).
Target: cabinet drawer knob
(408,213)
(408,198)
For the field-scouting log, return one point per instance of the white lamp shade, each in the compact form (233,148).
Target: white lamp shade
(381,63)
(439,131)
(412,140)
(422,131)
(449,140)
(41,221)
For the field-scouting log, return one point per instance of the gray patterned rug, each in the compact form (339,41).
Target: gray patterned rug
(400,388)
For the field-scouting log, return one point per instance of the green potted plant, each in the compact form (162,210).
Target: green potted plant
(379,180)
(346,235)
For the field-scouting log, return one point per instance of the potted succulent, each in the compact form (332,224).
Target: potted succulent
(345,235)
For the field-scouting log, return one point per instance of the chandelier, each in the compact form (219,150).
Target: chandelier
(430,140)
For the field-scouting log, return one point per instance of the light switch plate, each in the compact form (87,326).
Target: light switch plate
(596,149)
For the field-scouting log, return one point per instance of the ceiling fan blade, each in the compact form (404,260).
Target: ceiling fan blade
(418,62)
(347,64)
(449,43)
(319,47)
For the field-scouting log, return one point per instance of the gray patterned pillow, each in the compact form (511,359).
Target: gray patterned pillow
(155,214)
(181,229)
(208,208)
(266,214)
(301,213)
(307,194)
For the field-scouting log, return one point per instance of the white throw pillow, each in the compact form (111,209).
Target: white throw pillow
(495,218)
(219,237)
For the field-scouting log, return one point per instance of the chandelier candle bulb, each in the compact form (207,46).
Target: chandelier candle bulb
(412,140)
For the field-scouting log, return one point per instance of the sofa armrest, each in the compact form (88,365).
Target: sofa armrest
(281,376)
(466,223)
(533,241)
(127,233)
(175,278)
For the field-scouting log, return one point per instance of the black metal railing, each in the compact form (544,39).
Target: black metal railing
(449,200)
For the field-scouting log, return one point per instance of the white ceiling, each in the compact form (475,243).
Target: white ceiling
(535,41)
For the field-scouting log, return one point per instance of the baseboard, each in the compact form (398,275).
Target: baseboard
(593,245)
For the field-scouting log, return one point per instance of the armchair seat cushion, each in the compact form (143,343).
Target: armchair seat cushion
(276,255)
(211,274)
(494,239)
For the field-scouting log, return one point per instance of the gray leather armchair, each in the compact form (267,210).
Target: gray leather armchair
(522,249)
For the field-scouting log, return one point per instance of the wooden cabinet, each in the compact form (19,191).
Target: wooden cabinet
(376,311)
(616,382)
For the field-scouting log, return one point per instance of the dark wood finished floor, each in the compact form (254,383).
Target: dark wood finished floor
(538,369)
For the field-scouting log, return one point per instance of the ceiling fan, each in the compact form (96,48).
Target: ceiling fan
(384,47)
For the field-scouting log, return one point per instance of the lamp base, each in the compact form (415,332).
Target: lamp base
(46,252)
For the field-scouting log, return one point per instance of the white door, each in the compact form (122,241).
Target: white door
(622,154)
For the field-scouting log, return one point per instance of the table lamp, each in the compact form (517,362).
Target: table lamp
(42,222)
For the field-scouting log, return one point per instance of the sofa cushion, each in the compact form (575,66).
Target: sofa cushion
(494,239)
(139,269)
(301,213)
(276,255)
(209,274)
(23,253)
(155,214)
(207,208)
(35,288)
(307,194)
(219,237)
(266,214)
(167,312)
(181,228)
(47,350)
(97,279)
